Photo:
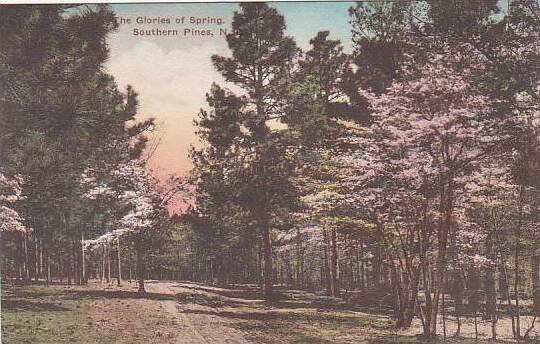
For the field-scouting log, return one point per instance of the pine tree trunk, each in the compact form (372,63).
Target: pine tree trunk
(83,260)
(25,260)
(108,260)
(74,260)
(41,257)
(363,276)
(267,256)
(48,265)
(102,264)
(67,264)
(334,268)
(119,279)
(517,234)
(517,312)
(327,263)
(298,247)
(129,263)
(36,259)
(376,267)
(18,258)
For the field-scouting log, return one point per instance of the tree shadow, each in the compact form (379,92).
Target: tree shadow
(373,302)
(18,293)
(24,305)
(205,300)
(118,294)
(247,292)
(291,316)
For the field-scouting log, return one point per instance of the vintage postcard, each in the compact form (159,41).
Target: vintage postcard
(270,172)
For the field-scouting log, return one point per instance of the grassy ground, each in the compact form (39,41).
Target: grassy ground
(39,314)
(76,314)
(182,313)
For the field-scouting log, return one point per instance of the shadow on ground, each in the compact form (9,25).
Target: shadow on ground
(293,316)
(25,305)
(374,302)
(118,294)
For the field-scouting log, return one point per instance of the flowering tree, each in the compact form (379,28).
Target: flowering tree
(10,193)
(430,129)
(135,196)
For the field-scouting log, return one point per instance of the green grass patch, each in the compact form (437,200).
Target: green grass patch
(40,314)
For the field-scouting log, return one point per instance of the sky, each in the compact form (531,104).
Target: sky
(172,74)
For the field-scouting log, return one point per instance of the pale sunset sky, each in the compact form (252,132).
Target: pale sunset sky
(172,74)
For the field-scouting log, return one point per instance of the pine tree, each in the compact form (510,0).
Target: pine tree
(261,62)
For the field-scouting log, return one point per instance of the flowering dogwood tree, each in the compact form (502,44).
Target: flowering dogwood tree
(137,201)
(430,129)
(10,193)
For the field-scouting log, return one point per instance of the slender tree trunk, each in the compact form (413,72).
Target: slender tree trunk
(25,259)
(535,275)
(108,260)
(36,259)
(83,260)
(102,275)
(67,264)
(18,258)
(517,234)
(489,287)
(458,290)
(74,260)
(376,267)
(41,258)
(326,268)
(129,263)
(140,264)
(427,295)
(446,210)
(119,279)
(503,287)
(443,296)
(260,264)
(473,289)
(267,256)
(299,259)
(333,268)
(48,266)
(507,296)
(363,268)
(517,333)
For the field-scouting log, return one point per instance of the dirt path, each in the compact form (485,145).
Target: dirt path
(197,324)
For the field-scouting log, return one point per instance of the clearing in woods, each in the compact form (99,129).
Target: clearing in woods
(190,313)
